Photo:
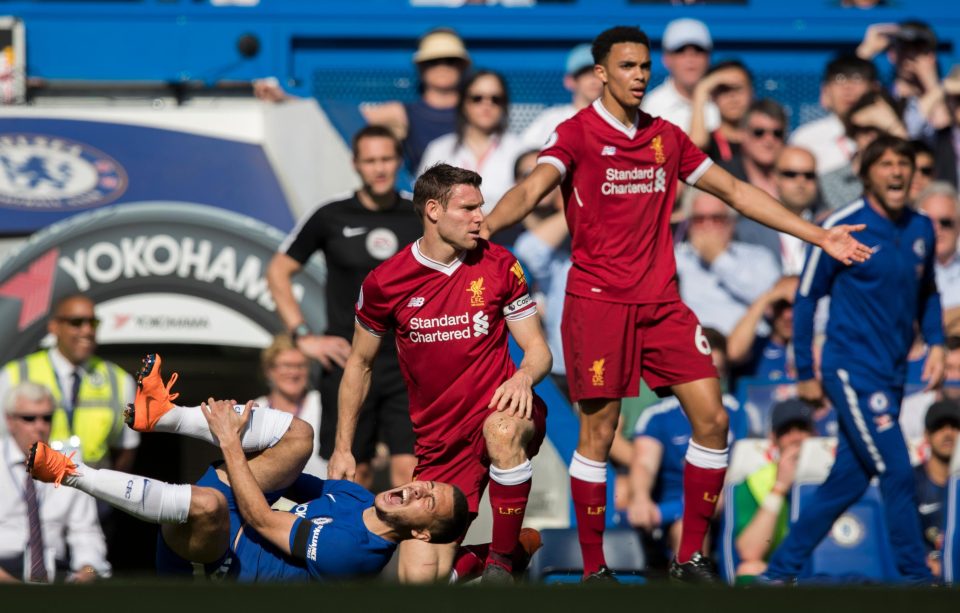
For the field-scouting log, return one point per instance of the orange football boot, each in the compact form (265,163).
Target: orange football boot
(153,398)
(48,465)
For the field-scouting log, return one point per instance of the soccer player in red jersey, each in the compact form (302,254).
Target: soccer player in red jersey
(450,298)
(618,169)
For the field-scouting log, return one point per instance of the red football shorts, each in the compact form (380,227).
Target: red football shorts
(462,459)
(608,346)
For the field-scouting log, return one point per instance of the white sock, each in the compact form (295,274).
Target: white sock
(264,430)
(153,501)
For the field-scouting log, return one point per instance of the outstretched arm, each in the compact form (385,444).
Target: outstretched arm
(354,387)
(521,199)
(759,206)
(226,424)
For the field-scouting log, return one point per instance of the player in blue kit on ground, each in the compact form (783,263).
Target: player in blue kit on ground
(225,521)
(873,311)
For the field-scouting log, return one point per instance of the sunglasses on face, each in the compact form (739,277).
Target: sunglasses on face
(761,132)
(443,61)
(926,171)
(793,174)
(32,418)
(947,223)
(77,322)
(715,218)
(478,98)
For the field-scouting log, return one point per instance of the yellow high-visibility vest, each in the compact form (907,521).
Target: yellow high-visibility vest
(97,418)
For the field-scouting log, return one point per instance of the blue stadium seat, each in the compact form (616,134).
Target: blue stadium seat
(858,546)
(951,533)
(560,561)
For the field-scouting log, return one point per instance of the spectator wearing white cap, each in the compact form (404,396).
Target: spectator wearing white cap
(441,60)
(686,55)
(585,86)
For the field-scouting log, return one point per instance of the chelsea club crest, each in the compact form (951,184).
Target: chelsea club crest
(41,172)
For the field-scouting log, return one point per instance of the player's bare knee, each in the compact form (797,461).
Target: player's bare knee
(503,432)
(299,437)
(712,426)
(207,505)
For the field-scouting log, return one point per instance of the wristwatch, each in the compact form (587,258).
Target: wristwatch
(302,329)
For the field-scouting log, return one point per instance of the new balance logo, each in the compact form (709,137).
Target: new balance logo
(608,150)
(349,232)
(416,301)
(481,324)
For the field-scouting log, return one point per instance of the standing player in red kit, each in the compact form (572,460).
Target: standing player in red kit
(618,169)
(450,298)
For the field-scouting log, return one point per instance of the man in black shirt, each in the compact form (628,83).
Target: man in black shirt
(355,235)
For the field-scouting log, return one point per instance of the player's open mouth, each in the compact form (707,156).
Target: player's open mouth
(398,497)
(897,189)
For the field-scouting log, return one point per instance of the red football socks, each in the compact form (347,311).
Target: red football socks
(701,490)
(590,505)
(508,503)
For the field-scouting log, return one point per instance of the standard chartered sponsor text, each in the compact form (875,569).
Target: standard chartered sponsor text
(444,321)
(651,181)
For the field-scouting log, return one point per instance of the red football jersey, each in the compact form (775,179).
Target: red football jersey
(450,326)
(619,185)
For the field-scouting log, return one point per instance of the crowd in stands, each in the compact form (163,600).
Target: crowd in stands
(739,277)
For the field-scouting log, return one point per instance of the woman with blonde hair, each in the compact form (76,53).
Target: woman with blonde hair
(287,371)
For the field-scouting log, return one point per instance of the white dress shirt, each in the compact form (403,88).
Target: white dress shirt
(666,102)
(68,518)
(720,293)
(948,282)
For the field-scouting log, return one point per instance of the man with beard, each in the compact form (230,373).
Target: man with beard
(225,521)
(873,310)
(355,235)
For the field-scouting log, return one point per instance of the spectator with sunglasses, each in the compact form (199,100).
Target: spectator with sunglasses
(795,179)
(441,60)
(926,168)
(89,393)
(481,142)
(720,278)
(764,129)
(939,201)
(46,533)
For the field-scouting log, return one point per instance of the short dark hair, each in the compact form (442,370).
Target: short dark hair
(376,132)
(438,181)
(920,146)
(516,163)
(731,64)
(617,34)
(59,304)
(868,99)
(465,87)
(877,148)
(765,106)
(450,529)
(847,65)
